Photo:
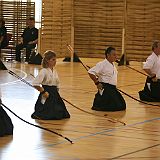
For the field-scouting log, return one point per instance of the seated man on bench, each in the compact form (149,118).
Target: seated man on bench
(29,40)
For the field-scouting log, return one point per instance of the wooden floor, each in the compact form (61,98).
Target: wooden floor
(94,137)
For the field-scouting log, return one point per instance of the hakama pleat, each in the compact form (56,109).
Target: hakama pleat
(110,100)
(53,108)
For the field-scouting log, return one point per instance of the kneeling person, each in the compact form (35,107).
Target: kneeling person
(49,105)
(151,91)
(104,75)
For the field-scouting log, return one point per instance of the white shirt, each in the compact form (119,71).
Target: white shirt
(153,63)
(105,71)
(47,77)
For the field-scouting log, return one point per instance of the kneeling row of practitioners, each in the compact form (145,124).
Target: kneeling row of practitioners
(50,106)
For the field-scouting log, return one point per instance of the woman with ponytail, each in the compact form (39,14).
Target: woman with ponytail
(49,105)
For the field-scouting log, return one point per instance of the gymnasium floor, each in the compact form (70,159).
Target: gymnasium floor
(96,135)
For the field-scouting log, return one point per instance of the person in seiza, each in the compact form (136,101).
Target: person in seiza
(104,76)
(151,91)
(29,39)
(6,126)
(49,105)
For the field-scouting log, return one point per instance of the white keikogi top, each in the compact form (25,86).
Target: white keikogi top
(47,77)
(105,71)
(153,63)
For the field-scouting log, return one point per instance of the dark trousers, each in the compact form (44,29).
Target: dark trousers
(28,47)
(152,94)
(110,100)
(3,45)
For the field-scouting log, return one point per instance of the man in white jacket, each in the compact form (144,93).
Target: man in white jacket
(104,76)
(151,91)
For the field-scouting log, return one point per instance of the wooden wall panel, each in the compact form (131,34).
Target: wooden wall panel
(15,14)
(56,26)
(142,28)
(99,24)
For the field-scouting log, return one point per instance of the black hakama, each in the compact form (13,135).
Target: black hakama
(152,94)
(6,126)
(110,100)
(53,108)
